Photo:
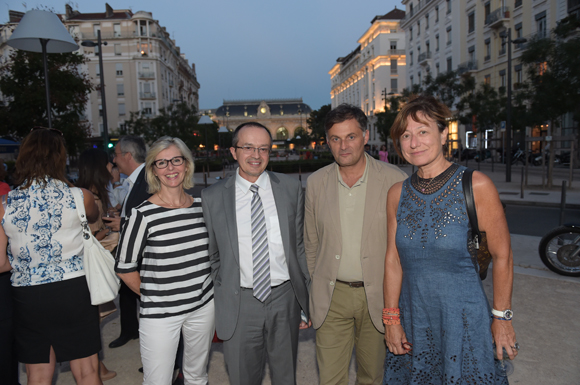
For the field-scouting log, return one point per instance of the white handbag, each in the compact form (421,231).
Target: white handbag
(99,263)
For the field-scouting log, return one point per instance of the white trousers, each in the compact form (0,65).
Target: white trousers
(159,339)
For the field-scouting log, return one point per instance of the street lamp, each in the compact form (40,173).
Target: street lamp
(42,31)
(99,44)
(508,122)
(205,121)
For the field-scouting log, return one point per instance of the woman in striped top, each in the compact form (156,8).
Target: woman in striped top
(163,257)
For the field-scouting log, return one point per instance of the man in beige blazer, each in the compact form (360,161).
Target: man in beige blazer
(345,227)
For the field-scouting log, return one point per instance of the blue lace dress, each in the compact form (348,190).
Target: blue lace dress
(444,310)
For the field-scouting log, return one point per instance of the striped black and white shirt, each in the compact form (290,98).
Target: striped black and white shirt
(171,247)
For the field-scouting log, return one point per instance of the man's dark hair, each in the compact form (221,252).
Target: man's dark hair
(248,124)
(343,113)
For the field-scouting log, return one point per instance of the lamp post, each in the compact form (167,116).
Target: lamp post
(99,44)
(42,31)
(508,122)
(222,130)
(205,121)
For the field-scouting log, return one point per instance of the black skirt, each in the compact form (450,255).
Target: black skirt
(56,314)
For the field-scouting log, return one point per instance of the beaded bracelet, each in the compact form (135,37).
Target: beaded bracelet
(392,322)
(385,317)
(392,310)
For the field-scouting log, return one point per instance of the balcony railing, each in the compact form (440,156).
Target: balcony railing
(396,52)
(467,66)
(497,17)
(146,75)
(394,70)
(147,95)
(424,57)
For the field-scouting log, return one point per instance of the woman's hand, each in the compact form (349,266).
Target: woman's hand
(504,336)
(396,339)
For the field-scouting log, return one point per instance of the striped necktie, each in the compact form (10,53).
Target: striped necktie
(260,253)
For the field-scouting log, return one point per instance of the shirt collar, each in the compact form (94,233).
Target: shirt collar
(135,173)
(263,182)
(361,180)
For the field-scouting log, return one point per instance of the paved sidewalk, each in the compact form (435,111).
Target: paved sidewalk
(546,306)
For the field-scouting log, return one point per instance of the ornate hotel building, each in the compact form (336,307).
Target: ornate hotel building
(281,116)
(372,71)
(466,35)
(144,69)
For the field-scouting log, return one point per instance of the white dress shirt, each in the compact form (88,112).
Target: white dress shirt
(128,186)
(278,267)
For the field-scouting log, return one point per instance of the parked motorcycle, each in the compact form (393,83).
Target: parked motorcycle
(560,250)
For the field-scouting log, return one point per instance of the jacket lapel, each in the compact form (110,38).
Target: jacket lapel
(332,202)
(280,200)
(375,182)
(231,224)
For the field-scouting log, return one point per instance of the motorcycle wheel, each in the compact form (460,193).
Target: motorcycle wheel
(556,250)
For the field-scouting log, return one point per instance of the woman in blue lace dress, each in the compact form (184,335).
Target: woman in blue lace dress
(438,324)
(41,242)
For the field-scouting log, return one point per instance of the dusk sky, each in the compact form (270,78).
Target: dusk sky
(252,49)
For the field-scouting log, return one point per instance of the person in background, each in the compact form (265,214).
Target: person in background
(41,242)
(4,187)
(384,154)
(439,325)
(167,237)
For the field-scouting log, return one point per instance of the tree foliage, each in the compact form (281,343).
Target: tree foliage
(23,85)
(316,123)
(483,107)
(385,119)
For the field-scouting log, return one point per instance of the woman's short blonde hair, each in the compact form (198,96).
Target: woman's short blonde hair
(161,144)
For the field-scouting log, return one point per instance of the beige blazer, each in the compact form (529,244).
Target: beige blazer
(323,240)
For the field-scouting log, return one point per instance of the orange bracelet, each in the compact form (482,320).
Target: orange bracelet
(392,310)
(392,322)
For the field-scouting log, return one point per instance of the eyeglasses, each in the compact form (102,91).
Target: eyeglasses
(250,150)
(163,163)
(46,128)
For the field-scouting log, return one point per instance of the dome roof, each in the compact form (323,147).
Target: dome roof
(276,106)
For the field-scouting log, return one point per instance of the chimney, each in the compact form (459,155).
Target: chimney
(109,12)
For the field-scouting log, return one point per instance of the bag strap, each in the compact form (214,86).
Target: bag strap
(80,204)
(470,205)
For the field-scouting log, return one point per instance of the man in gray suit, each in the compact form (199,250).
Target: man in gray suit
(255,225)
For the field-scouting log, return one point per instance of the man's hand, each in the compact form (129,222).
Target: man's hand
(116,175)
(114,223)
(304,325)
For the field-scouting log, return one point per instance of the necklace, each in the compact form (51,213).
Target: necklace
(169,204)
(427,185)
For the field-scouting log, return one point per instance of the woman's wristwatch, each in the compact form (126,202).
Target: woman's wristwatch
(505,315)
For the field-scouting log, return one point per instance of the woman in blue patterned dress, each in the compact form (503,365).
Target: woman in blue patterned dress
(439,326)
(41,242)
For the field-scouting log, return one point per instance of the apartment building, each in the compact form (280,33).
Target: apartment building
(144,69)
(471,36)
(373,71)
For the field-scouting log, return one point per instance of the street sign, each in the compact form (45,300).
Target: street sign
(502,126)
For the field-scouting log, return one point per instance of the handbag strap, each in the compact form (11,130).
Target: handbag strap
(80,204)
(470,205)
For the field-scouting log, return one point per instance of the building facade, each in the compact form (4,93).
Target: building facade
(281,116)
(144,69)
(469,36)
(373,71)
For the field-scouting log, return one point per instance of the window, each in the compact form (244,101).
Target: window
(144,49)
(471,22)
(96,29)
(100,110)
(117,30)
(410,33)
(502,49)
(518,29)
(436,43)
(519,75)
(486,11)
(118,49)
(449,65)
(121,109)
(487,43)
(449,35)
(419,78)
(487,79)
(394,69)
(502,78)
(427,46)
(96,50)
(120,89)
(518,3)
(393,44)
(412,82)
(471,53)
(119,69)
(97,70)
(418,27)
(448,6)
(411,58)
(436,14)
(541,26)
(394,86)
(426,21)
(436,69)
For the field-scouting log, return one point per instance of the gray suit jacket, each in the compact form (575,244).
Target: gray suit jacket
(219,211)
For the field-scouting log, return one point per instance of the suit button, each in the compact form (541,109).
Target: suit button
(331,283)
(236,292)
(337,256)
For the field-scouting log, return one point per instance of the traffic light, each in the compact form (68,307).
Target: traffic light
(110,145)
